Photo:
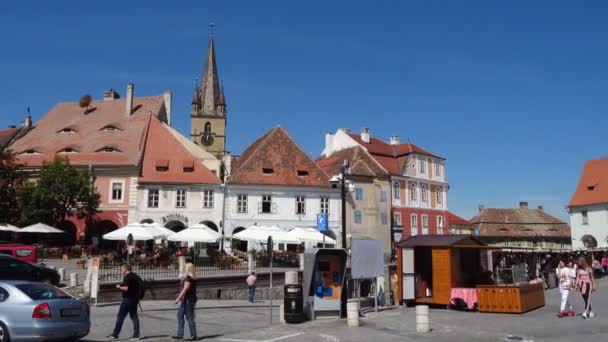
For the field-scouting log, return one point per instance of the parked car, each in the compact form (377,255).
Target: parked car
(32,311)
(19,251)
(12,268)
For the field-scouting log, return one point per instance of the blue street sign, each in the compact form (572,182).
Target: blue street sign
(476,232)
(322,222)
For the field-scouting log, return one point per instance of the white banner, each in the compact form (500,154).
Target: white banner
(367,259)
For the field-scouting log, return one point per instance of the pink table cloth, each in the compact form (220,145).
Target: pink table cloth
(468,295)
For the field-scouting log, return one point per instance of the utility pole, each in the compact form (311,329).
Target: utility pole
(344,292)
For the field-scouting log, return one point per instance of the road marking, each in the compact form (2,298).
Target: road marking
(271,340)
(329,338)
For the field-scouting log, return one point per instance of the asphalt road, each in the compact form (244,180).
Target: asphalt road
(243,322)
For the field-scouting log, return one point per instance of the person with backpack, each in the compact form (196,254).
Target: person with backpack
(187,301)
(133,290)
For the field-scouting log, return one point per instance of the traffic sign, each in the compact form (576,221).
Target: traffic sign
(322,222)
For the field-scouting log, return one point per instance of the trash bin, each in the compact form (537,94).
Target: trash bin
(293,300)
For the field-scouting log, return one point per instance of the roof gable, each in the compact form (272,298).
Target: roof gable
(592,186)
(167,161)
(518,222)
(361,163)
(276,159)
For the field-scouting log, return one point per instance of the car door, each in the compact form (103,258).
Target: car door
(13,269)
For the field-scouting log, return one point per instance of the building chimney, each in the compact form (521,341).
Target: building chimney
(523,205)
(129,99)
(365,135)
(394,140)
(541,208)
(27,123)
(168,98)
(481,207)
(345,130)
(12,126)
(110,95)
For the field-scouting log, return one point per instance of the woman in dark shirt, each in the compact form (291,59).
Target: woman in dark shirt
(187,302)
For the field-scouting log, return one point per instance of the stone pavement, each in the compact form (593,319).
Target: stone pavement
(243,322)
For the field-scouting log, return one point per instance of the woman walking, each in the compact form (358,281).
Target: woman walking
(586,284)
(565,285)
(187,302)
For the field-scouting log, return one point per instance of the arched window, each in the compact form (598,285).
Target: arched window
(425,192)
(413,195)
(208,127)
(396,190)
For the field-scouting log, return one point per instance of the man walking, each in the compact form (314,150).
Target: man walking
(131,294)
(251,283)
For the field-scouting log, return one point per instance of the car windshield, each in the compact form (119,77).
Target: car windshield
(42,291)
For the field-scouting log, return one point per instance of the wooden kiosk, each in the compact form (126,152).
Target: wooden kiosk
(432,267)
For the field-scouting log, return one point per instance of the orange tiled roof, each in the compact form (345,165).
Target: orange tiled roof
(361,163)
(518,222)
(454,219)
(164,152)
(6,135)
(592,187)
(84,133)
(280,155)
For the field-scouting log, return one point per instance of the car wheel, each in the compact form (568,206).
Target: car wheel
(4,333)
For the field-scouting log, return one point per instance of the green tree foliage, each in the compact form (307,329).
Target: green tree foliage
(11,180)
(60,190)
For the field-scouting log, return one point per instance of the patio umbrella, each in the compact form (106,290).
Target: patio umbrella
(140,232)
(5,227)
(196,233)
(261,234)
(155,226)
(40,228)
(307,234)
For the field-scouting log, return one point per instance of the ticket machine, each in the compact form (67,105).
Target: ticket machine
(324,270)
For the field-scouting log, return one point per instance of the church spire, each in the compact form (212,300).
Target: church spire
(211,93)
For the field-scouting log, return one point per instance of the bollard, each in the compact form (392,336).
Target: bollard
(61,272)
(352,312)
(291,277)
(73,279)
(422,319)
(282,313)
(302,262)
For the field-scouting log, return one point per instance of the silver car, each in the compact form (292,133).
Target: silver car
(40,312)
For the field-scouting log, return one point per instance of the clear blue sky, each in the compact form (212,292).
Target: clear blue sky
(512,93)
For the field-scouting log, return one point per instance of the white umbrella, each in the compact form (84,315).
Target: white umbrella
(307,234)
(261,234)
(140,232)
(40,228)
(165,231)
(5,227)
(196,233)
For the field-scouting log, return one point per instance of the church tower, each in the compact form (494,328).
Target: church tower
(208,114)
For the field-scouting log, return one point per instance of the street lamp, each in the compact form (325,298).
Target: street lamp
(344,171)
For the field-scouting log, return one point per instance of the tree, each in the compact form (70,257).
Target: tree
(61,190)
(11,179)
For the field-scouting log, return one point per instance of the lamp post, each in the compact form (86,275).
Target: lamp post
(344,293)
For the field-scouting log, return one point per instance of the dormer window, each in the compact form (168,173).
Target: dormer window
(108,149)
(67,130)
(31,151)
(188,166)
(68,150)
(302,173)
(110,128)
(162,165)
(591,187)
(267,170)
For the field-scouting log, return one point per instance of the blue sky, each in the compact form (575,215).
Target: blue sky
(512,93)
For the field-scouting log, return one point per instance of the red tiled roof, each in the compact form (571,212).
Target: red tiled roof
(87,133)
(393,158)
(454,219)
(519,222)
(592,187)
(7,135)
(278,152)
(163,150)
(361,163)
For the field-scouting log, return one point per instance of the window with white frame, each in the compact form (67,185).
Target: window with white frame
(382,195)
(439,194)
(300,205)
(425,224)
(396,190)
(397,218)
(422,163)
(153,197)
(358,217)
(359,194)
(439,224)
(585,217)
(437,169)
(180,198)
(241,203)
(116,191)
(383,218)
(207,198)
(424,189)
(414,223)
(324,205)
(413,192)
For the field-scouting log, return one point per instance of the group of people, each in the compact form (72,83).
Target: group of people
(132,288)
(575,275)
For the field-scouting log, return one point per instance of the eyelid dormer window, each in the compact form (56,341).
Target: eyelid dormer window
(68,150)
(108,149)
(110,128)
(67,130)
